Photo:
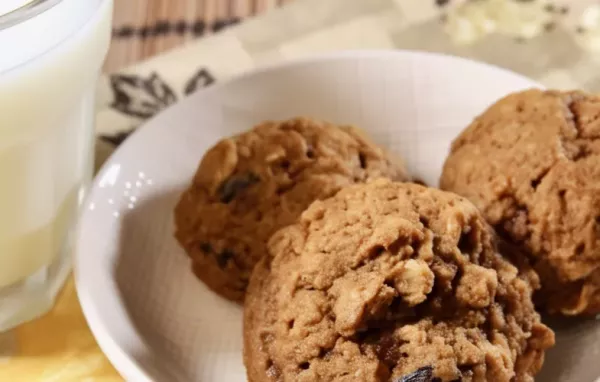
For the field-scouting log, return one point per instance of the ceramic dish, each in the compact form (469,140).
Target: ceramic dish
(154,320)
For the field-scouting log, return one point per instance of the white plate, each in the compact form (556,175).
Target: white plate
(151,317)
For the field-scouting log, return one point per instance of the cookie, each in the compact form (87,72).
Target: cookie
(248,186)
(390,282)
(531,163)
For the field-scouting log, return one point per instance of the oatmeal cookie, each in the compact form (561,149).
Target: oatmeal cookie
(531,163)
(250,185)
(390,282)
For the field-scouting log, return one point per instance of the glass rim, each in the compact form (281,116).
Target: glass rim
(26,12)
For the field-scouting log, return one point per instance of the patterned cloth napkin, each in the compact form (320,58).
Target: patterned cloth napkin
(59,346)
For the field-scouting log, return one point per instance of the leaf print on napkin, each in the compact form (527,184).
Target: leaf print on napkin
(140,97)
(201,79)
(118,138)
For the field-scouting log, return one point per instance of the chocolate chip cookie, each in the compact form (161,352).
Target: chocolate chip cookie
(390,282)
(250,185)
(531,163)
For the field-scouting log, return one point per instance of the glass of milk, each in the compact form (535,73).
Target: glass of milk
(51,52)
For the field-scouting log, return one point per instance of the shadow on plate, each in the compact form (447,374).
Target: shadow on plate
(576,356)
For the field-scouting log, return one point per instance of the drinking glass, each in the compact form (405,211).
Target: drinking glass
(51,53)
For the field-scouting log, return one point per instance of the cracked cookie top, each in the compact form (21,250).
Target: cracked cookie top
(390,282)
(248,186)
(531,163)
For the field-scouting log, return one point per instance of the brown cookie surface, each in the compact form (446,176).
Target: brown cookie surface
(248,186)
(531,163)
(390,282)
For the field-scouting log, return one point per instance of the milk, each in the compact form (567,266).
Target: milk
(46,146)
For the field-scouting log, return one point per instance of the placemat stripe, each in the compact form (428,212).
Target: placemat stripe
(143,28)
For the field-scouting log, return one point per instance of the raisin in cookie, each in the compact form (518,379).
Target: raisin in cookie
(250,185)
(531,163)
(390,282)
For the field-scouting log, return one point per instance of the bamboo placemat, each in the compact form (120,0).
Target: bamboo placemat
(144,28)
